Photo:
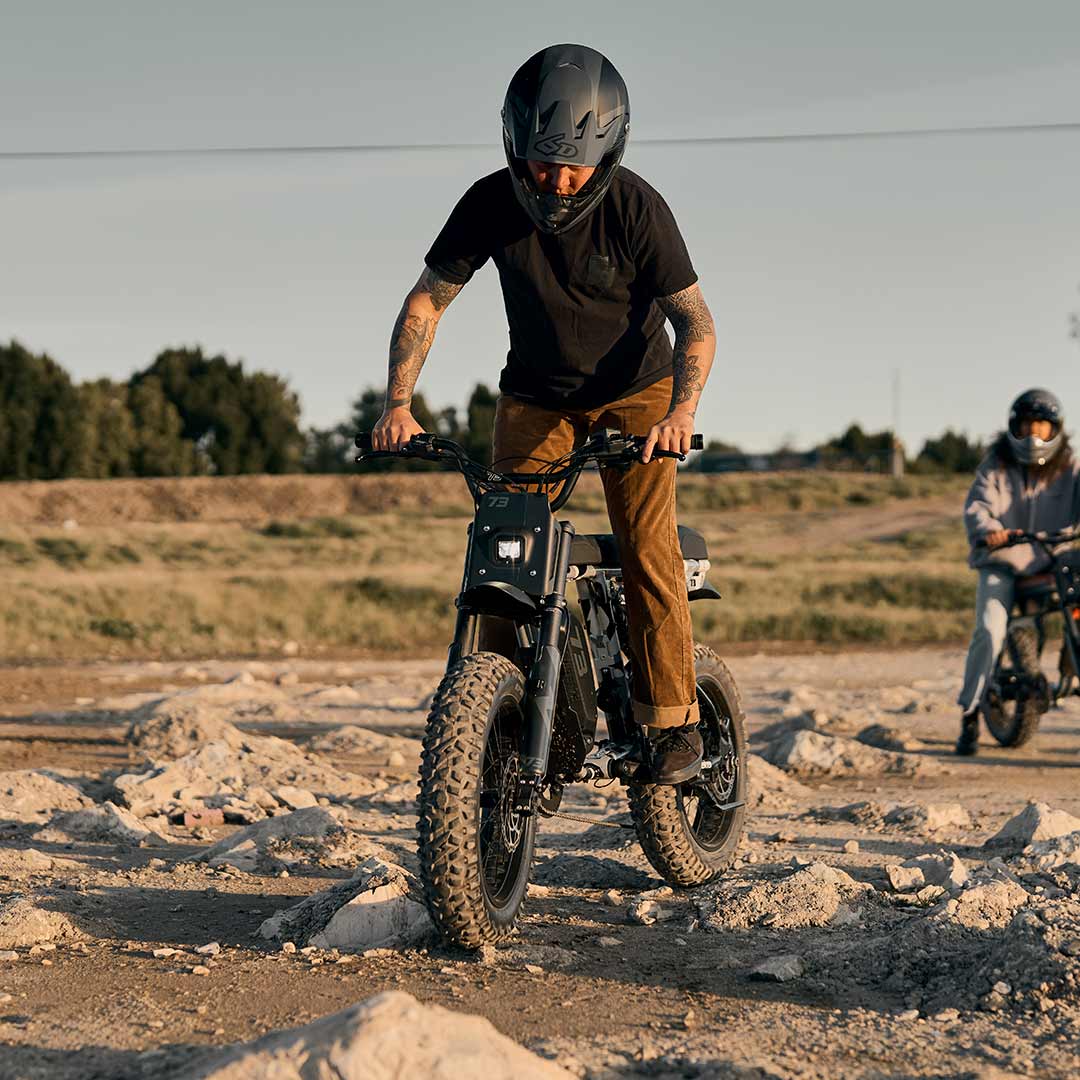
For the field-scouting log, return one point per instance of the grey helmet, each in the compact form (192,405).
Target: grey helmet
(1035,405)
(566,104)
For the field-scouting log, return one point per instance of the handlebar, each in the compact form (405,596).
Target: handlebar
(1020,536)
(609,448)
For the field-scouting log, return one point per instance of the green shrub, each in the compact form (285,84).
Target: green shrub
(62,550)
(115,628)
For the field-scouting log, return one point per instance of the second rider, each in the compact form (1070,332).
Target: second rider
(591,263)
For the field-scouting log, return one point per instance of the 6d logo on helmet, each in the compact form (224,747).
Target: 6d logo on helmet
(556,145)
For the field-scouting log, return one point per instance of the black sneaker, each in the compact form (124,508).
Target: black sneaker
(968,743)
(676,755)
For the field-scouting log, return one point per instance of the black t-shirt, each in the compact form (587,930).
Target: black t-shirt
(584,326)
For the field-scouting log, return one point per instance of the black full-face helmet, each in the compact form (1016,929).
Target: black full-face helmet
(1035,405)
(567,104)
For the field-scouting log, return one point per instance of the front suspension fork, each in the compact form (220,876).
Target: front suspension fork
(542,685)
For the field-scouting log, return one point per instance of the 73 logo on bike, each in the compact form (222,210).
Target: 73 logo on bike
(556,146)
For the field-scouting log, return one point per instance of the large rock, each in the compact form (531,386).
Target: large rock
(311,836)
(1035,822)
(23,921)
(108,823)
(380,906)
(228,773)
(810,753)
(944,869)
(388,1037)
(31,796)
(176,725)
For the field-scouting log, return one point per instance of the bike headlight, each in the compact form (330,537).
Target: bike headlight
(509,548)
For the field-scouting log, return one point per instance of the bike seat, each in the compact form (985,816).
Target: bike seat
(600,549)
(1033,584)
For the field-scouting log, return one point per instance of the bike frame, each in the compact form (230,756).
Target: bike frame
(1063,597)
(517,567)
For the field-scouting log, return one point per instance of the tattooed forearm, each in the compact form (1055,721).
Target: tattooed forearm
(409,345)
(689,381)
(695,344)
(439,289)
(413,334)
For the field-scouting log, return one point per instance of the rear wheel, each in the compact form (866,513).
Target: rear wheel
(475,852)
(1019,693)
(691,833)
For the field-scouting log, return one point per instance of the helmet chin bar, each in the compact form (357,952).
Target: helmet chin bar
(1032,450)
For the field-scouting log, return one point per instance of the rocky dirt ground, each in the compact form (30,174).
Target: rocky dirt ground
(195,857)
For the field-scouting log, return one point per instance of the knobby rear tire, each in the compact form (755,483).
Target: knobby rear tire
(480,691)
(658,810)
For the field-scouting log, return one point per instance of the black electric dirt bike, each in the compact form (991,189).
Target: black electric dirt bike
(1018,692)
(505,736)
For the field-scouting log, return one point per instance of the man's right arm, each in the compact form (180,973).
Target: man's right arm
(410,342)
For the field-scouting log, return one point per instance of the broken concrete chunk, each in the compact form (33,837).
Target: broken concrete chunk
(905,879)
(379,907)
(1036,822)
(778,969)
(295,798)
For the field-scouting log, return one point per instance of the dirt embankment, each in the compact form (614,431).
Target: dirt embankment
(222,498)
(255,499)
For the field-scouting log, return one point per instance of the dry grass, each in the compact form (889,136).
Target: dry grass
(799,558)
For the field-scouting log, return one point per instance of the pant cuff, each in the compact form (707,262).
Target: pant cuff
(665,716)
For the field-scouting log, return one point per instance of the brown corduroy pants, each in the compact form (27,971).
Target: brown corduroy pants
(641,508)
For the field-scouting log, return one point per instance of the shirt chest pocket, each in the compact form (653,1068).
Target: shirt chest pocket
(598,278)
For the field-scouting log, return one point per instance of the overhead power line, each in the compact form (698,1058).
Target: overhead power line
(381,148)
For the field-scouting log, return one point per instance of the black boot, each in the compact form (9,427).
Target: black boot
(968,743)
(676,754)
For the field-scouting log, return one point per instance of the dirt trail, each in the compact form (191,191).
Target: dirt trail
(584,983)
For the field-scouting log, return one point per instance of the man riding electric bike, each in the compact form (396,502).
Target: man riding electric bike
(591,262)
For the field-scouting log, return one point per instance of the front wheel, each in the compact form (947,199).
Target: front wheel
(1018,694)
(475,851)
(691,833)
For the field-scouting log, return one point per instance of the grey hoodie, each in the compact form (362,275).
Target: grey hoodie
(1003,497)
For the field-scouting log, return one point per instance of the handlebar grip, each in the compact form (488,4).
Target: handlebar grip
(697,442)
(363,440)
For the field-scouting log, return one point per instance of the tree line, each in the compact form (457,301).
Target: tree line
(186,414)
(950,452)
(189,414)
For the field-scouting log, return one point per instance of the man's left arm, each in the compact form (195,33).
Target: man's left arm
(695,347)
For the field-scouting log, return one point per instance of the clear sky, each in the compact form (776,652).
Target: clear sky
(953,259)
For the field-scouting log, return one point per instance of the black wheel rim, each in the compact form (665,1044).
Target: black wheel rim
(700,801)
(503,835)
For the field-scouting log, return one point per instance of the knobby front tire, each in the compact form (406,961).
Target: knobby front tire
(475,854)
